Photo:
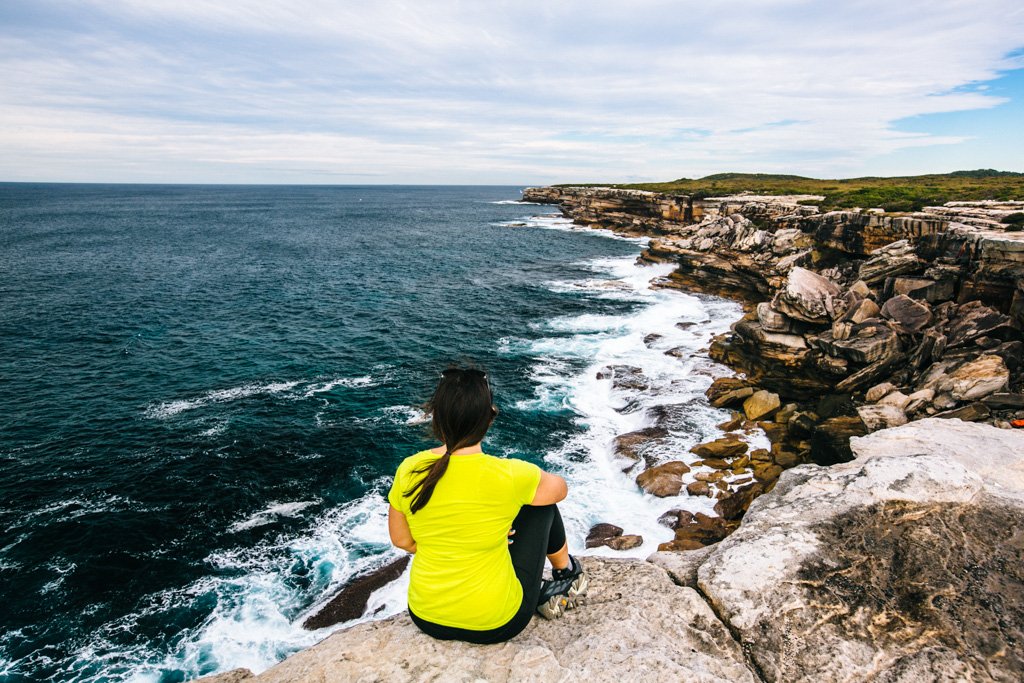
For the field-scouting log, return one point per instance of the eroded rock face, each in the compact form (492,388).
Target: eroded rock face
(902,565)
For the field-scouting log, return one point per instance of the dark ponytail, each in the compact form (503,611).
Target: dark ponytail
(462,409)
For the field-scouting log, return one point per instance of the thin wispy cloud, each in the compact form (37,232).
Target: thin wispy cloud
(309,91)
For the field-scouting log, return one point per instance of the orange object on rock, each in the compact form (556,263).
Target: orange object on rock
(1017,423)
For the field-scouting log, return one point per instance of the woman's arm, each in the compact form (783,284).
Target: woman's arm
(551,489)
(398,529)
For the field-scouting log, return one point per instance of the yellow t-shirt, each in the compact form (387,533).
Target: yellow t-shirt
(462,573)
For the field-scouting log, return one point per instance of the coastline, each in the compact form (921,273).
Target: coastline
(763,570)
(854,320)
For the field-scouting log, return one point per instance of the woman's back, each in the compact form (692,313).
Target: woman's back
(462,575)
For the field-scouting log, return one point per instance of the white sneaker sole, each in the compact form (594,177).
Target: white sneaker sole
(558,605)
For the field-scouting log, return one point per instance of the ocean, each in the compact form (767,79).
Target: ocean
(204,391)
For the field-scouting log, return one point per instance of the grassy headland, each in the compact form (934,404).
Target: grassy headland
(906,193)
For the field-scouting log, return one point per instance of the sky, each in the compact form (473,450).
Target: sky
(494,92)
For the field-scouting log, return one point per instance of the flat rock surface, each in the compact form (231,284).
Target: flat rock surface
(638,625)
(905,564)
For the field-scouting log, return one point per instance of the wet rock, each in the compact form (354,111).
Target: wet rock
(726,447)
(807,296)
(633,445)
(698,488)
(628,377)
(350,602)
(663,480)
(785,459)
(881,416)
(976,379)
(626,542)
(601,533)
(909,316)
(761,404)
(651,339)
(1004,400)
(676,518)
(715,463)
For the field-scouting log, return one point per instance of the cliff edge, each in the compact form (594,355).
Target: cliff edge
(904,564)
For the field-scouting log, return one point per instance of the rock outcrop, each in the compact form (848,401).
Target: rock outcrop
(905,564)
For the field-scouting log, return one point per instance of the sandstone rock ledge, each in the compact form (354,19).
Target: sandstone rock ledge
(905,564)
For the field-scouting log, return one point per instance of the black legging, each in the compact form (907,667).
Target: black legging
(539,532)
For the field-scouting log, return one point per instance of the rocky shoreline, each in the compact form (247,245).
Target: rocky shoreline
(855,321)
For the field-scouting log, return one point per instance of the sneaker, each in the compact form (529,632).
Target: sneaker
(566,590)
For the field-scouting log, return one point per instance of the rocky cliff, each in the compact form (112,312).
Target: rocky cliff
(857,320)
(905,564)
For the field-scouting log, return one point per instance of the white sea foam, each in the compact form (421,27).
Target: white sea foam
(271,514)
(516,201)
(171,408)
(556,221)
(292,390)
(599,490)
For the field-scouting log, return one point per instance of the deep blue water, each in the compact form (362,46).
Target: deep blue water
(199,384)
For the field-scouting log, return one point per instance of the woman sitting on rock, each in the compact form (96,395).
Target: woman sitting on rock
(480,526)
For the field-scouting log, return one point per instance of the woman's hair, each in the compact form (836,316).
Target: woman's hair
(462,409)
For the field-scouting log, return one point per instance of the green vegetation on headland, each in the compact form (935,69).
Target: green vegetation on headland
(907,193)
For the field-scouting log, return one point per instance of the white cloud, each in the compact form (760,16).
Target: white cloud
(485,92)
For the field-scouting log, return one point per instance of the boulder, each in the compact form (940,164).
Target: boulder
(771,320)
(976,379)
(902,565)
(895,398)
(974,319)
(698,488)
(626,542)
(632,444)
(807,296)
(875,393)
(663,480)
(725,392)
(635,608)
(908,316)
(918,400)
(704,529)
(972,412)
(601,533)
(676,518)
(761,404)
(733,505)
(860,311)
(726,447)
(870,342)
(350,602)
(881,416)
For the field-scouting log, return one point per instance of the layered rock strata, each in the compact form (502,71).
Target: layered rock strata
(905,564)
